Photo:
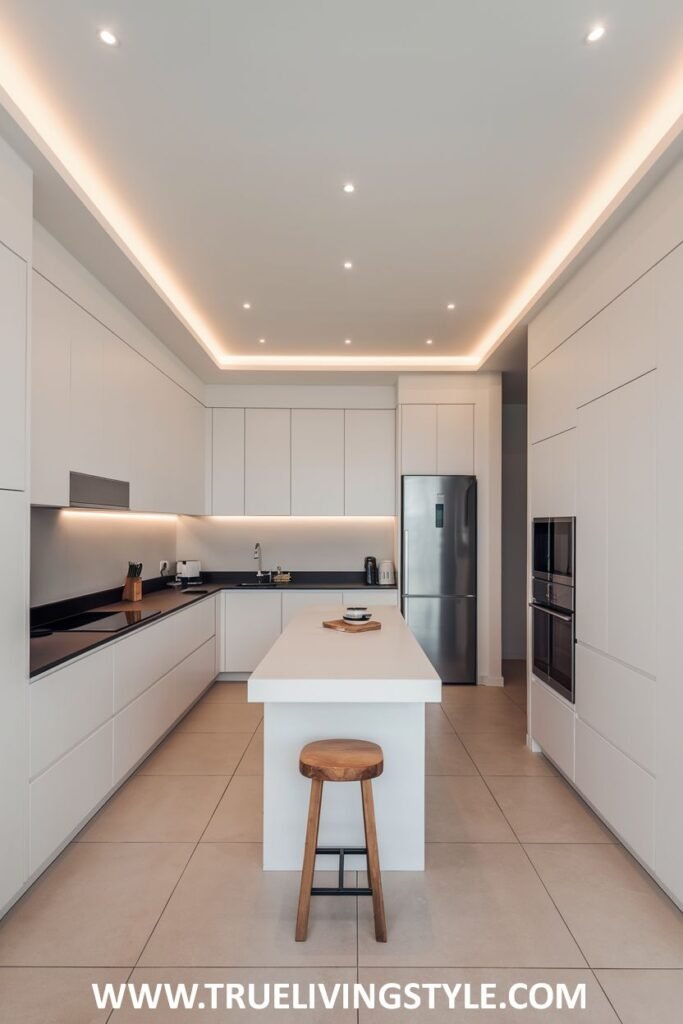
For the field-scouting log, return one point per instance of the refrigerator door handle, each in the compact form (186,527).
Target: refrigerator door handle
(406,588)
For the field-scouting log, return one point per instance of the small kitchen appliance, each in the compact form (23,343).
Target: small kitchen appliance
(386,573)
(371,570)
(188,572)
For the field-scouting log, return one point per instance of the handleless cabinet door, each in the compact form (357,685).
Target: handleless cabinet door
(418,439)
(13,377)
(50,343)
(295,600)
(267,485)
(370,462)
(252,624)
(455,439)
(317,462)
(228,462)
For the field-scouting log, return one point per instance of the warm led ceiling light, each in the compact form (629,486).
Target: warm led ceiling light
(262,341)
(348,341)
(597,32)
(33,109)
(348,265)
(429,341)
(108,37)
(348,187)
(451,305)
(246,305)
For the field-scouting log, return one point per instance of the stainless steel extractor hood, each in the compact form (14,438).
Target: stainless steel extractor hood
(86,491)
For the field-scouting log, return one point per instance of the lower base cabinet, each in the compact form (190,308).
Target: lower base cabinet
(552,727)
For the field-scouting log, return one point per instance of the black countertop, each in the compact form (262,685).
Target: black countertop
(47,652)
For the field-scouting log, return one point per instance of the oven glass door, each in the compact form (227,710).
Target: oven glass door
(562,549)
(553,649)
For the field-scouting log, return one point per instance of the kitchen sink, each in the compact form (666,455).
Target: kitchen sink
(258,586)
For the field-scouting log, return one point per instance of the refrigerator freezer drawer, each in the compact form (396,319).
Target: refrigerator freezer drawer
(446,628)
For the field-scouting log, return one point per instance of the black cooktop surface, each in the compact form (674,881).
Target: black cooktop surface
(101,622)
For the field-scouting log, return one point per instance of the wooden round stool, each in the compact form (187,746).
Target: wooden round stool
(341,761)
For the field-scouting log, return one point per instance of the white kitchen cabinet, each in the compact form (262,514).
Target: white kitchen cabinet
(227,461)
(373,597)
(370,462)
(13,290)
(141,724)
(252,623)
(552,473)
(317,462)
(50,348)
(294,600)
(617,702)
(552,726)
(67,793)
(631,519)
(267,462)
(552,393)
(619,789)
(418,439)
(455,439)
(194,675)
(68,704)
(101,403)
(14,766)
(592,532)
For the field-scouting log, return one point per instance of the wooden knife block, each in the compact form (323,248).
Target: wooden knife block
(132,589)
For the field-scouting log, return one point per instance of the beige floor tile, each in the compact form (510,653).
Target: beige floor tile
(645,997)
(157,809)
(95,906)
(217,717)
(460,809)
(436,720)
(54,995)
(227,911)
(472,696)
(239,816)
(252,761)
(476,905)
(547,810)
(446,756)
(226,692)
(617,914)
(490,716)
(505,754)
(193,753)
(598,1010)
(252,976)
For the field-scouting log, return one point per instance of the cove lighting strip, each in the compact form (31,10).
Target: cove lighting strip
(50,132)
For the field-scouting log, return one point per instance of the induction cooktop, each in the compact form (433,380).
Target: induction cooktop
(102,622)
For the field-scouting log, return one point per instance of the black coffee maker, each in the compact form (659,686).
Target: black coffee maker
(371,576)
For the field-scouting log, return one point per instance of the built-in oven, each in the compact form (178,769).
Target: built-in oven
(552,548)
(552,605)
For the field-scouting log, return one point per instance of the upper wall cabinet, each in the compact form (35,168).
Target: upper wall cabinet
(552,475)
(437,439)
(13,283)
(50,344)
(317,462)
(552,393)
(227,462)
(370,462)
(267,482)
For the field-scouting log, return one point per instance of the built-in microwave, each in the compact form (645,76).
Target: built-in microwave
(552,549)
(552,605)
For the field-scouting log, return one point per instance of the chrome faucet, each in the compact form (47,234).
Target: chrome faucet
(257,557)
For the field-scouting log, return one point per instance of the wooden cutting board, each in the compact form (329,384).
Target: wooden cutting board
(353,627)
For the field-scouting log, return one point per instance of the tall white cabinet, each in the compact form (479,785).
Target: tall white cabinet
(16,200)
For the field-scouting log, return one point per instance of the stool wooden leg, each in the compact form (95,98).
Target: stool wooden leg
(309,860)
(373,860)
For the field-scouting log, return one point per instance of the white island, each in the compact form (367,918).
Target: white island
(317,684)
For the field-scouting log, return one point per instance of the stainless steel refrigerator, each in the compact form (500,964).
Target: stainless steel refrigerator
(439,571)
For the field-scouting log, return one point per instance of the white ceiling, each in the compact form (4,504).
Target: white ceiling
(227,129)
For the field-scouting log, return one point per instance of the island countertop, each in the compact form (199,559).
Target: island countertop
(309,663)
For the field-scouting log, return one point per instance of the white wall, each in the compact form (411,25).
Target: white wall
(514,556)
(74,553)
(304,544)
(605,428)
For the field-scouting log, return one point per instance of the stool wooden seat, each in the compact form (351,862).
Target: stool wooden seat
(341,761)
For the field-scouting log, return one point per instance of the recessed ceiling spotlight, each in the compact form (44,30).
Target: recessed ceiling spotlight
(429,341)
(349,187)
(348,341)
(246,305)
(596,33)
(451,305)
(348,265)
(262,341)
(108,37)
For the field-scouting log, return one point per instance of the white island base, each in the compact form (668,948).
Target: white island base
(317,684)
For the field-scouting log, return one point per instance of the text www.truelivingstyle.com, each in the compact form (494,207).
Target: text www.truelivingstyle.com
(316,996)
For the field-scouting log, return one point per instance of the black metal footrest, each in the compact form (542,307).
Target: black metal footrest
(341,889)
